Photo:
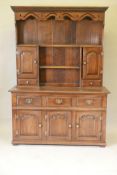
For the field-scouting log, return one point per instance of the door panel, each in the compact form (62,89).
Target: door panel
(28,125)
(58,125)
(92,63)
(27,62)
(88,126)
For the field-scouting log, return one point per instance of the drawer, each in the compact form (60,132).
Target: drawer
(58,101)
(28,100)
(89,101)
(27,82)
(91,83)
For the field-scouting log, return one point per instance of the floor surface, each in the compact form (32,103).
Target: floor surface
(56,160)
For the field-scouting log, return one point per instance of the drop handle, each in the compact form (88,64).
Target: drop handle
(77,126)
(59,101)
(69,126)
(28,100)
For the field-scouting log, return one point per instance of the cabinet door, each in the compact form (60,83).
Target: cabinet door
(88,126)
(28,125)
(27,59)
(58,125)
(92,63)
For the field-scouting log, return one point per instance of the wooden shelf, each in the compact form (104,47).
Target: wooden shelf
(69,45)
(60,67)
(60,45)
(60,84)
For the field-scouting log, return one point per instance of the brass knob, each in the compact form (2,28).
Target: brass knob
(40,125)
(28,100)
(84,62)
(27,82)
(69,125)
(35,61)
(91,83)
(77,126)
(59,101)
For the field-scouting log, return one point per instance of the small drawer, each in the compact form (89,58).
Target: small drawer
(58,101)
(29,100)
(27,82)
(91,83)
(89,101)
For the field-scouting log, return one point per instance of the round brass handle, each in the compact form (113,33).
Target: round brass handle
(77,126)
(40,125)
(35,61)
(69,125)
(28,100)
(59,101)
(27,82)
(84,62)
(91,83)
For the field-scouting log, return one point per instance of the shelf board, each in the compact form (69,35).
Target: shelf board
(74,84)
(70,45)
(60,45)
(60,67)
(28,45)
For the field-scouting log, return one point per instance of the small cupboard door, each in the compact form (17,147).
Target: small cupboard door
(88,126)
(92,63)
(28,125)
(27,59)
(58,125)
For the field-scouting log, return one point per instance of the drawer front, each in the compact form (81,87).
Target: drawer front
(58,101)
(91,83)
(89,101)
(27,82)
(28,100)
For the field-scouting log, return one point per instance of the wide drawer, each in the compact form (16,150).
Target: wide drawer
(59,101)
(89,101)
(29,100)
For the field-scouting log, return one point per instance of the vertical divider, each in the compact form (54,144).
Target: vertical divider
(38,65)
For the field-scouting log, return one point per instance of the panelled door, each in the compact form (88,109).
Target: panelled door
(58,125)
(28,125)
(27,59)
(92,63)
(88,126)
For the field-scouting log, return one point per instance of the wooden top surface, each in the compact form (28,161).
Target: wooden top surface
(66,90)
(48,9)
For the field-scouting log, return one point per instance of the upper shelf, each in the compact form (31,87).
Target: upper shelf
(59,45)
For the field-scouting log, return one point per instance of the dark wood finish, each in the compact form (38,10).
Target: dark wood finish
(59,98)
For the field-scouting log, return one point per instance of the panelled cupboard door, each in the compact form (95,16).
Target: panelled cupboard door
(58,125)
(27,62)
(92,63)
(28,125)
(88,126)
